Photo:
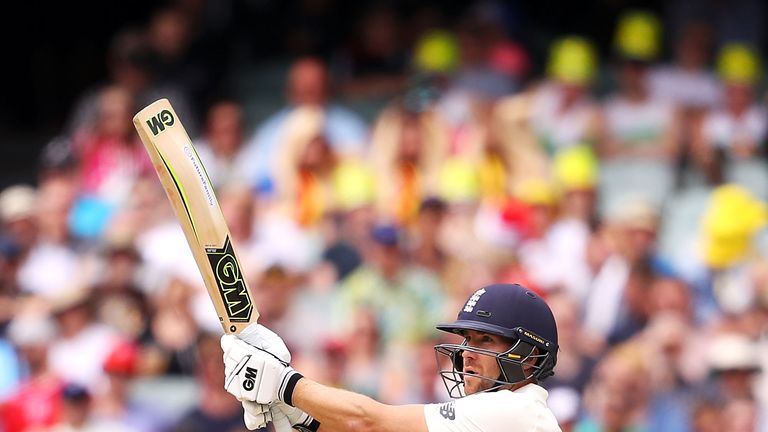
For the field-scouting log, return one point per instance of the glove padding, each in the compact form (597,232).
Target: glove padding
(253,374)
(256,335)
(256,415)
(298,418)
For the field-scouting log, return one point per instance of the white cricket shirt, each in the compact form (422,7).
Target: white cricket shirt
(522,410)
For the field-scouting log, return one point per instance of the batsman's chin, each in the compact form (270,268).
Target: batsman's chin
(472,384)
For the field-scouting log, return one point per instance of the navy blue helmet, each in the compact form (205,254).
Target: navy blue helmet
(511,311)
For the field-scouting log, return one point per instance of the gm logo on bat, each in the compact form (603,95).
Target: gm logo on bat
(231,285)
(158,123)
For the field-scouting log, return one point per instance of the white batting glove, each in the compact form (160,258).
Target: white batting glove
(256,335)
(253,374)
(256,415)
(297,418)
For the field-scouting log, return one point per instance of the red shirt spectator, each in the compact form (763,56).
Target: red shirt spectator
(35,405)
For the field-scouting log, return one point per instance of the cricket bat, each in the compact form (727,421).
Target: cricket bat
(193,200)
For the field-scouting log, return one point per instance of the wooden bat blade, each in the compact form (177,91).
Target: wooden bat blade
(194,202)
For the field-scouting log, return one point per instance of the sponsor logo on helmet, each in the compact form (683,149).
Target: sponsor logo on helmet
(534,337)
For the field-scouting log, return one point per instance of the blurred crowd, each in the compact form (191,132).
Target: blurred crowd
(629,190)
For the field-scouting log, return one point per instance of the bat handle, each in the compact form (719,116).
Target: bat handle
(280,422)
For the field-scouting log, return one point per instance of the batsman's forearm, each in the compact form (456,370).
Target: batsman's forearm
(340,410)
(335,409)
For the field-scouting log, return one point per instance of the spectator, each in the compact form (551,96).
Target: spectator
(737,129)
(734,362)
(407,148)
(741,415)
(77,413)
(305,323)
(426,249)
(146,208)
(674,383)
(9,290)
(177,61)
(687,81)
(574,363)
(174,329)
(617,398)
(535,252)
(426,387)
(631,235)
(514,144)
(401,296)
(347,232)
(372,63)
(436,54)
(636,124)
(707,417)
(35,403)
(633,315)
(110,154)
(478,32)
(18,205)
(276,289)
(122,366)
(19,233)
(730,224)
(411,373)
(130,65)
(239,209)
(216,409)
(222,142)
(310,185)
(363,355)
(561,111)
(575,171)
(119,294)
(53,264)
(278,238)
(307,86)
(487,68)
(477,161)
(78,354)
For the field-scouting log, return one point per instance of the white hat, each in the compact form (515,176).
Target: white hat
(31,329)
(634,211)
(733,351)
(17,202)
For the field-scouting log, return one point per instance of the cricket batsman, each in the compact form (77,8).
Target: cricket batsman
(510,344)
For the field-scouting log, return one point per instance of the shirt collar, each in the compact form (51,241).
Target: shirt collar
(534,390)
